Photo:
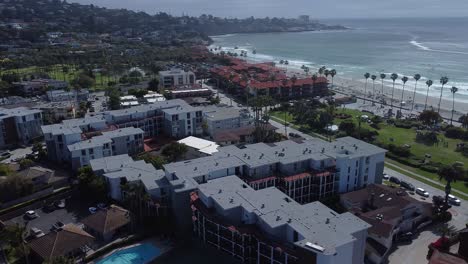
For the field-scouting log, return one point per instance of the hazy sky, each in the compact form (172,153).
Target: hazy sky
(292,8)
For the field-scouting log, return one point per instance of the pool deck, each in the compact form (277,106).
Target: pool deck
(164,245)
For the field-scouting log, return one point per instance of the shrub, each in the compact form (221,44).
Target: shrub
(455,132)
(399,150)
(429,168)
(375,126)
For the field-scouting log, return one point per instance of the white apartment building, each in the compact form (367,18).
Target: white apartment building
(175,77)
(19,125)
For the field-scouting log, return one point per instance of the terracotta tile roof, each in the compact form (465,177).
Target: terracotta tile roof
(107,220)
(60,243)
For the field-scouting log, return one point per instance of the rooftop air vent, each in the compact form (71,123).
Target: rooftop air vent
(314,246)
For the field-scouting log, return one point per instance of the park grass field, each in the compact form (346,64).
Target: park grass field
(56,72)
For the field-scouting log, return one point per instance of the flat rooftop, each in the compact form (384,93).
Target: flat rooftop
(314,222)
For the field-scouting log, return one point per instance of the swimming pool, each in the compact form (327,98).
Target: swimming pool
(140,254)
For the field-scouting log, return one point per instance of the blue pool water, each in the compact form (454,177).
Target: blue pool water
(140,254)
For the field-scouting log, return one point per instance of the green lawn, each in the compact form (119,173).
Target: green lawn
(55,72)
(401,136)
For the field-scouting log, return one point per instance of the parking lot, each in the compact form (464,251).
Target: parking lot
(73,212)
(416,251)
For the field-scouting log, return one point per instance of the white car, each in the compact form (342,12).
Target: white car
(31,214)
(36,232)
(453,200)
(422,192)
(386,177)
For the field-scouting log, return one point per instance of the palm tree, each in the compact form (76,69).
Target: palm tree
(416,78)
(332,74)
(450,173)
(429,84)
(404,79)
(366,75)
(463,120)
(453,90)
(314,79)
(382,77)
(443,80)
(394,76)
(373,77)
(321,70)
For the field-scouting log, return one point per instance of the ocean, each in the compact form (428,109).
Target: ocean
(432,47)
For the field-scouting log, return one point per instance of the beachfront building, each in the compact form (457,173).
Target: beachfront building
(389,211)
(246,79)
(115,142)
(267,226)
(306,171)
(19,125)
(175,77)
(221,118)
(174,118)
(123,170)
(59,136)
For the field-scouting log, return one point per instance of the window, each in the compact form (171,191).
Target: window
(367,160)
(91,151)
(83,152)
(188,115)
(349,169)
(188,122)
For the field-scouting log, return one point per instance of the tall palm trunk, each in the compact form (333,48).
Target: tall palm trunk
(373,89)
(440,98)
(453,107)
(393,91)
(414,95)
(365,91)
(402,96)
(427,96)
(383,92)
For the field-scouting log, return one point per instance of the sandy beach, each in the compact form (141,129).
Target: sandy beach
(357,88)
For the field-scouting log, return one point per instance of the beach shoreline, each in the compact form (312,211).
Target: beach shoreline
(351,86)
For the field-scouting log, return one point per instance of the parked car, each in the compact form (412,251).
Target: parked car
(407,186)
(101,206)
(406,237)
(31,214)
(386,177)
(422,192)
(294,135)
(58,225)
(60,204)
(92,210)
(5,155)
(453,200)
(36,232)
(394,180)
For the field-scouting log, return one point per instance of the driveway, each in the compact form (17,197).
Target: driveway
(415,253)
(18,153)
